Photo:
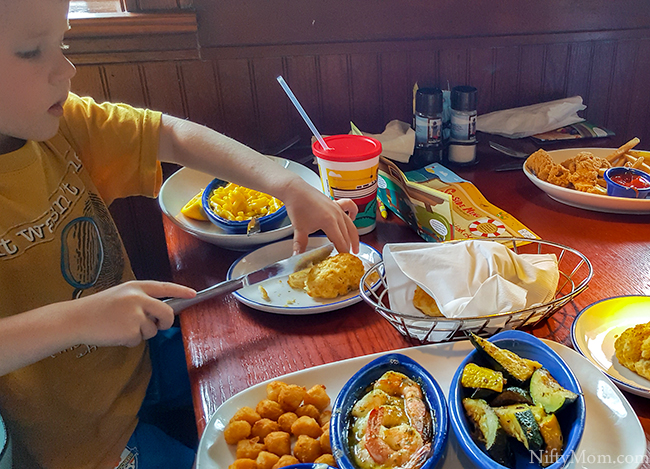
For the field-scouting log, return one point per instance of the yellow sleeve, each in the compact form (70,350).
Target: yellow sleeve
(118,145)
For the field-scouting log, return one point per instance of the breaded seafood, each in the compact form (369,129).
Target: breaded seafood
(542,165)
(633,349)
(584,170)
(334,276)
(425,303)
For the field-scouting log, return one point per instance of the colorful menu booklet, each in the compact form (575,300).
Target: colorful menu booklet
(441,206)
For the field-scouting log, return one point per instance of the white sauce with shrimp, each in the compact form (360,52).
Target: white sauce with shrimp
(391,425)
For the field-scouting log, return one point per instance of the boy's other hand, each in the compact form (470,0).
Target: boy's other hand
(126,314)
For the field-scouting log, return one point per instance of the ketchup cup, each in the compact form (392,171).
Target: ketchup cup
(627,182)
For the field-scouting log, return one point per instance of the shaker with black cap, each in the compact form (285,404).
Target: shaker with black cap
(462,147)
(427,122)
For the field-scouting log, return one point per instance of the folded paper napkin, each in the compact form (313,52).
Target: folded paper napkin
(468,278)
(530,120)
(397,141)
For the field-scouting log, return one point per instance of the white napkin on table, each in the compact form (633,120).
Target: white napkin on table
(397,141)
(469,278)
(530,120)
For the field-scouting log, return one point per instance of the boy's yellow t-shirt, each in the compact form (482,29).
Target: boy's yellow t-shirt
(77,408)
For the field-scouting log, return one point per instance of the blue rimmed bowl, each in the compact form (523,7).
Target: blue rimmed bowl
(358,385)
(616,189)
(267,222)
(572,419)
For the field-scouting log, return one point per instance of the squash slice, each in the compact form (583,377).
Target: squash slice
(548,393)
(512,365)
(519,422)
(488,430)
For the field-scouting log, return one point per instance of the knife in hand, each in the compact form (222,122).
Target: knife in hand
(277,269)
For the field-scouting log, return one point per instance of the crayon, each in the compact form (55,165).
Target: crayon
(382,208)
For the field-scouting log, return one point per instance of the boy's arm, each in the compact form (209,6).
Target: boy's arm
(124,315)
(198,147)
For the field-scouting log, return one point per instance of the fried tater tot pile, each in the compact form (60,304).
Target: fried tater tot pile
(290,413)
(331,277)
(633,349)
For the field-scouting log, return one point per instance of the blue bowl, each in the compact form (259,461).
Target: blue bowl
(618,190)
(572,419)
(356,388)
(267,222)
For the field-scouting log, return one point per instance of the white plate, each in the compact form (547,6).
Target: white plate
(613,437)
(596,328)
(282,298)
(185,183)
(596,202)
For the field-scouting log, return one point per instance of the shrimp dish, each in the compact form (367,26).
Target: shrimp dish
(391,425)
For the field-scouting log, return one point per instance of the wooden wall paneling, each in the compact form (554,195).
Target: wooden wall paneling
(481,76)
(149,5)
(396,87)
(556,65)
(600,82)
(424,68)
(506,78)
(236,94)
(453,67)
(620,96)
(365,85)
(88,82)
(200,89)
(580,64)
(639,112)
(124,84)
(272,103)
(336,99)
(302,76)
(162,85)
(531,74)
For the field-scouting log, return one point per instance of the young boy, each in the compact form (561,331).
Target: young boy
(74,362)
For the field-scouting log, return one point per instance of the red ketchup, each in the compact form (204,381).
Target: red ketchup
(630,180)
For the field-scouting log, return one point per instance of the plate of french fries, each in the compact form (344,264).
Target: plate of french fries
(574,176)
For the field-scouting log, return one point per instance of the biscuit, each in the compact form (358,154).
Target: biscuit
(334,276)
(633,349)
(425,303)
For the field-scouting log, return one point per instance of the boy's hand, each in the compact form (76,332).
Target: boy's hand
(126,314)
(310,210)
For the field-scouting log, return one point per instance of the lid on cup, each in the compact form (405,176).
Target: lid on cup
(348,148)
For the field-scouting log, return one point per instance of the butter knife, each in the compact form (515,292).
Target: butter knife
(277,269)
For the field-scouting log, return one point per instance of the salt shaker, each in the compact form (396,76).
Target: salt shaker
(462,147)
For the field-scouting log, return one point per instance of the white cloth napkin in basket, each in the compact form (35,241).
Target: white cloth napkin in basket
(469,278)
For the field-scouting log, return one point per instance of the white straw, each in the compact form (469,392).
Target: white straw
(302,112)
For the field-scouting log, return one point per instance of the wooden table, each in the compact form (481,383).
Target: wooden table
(230,347)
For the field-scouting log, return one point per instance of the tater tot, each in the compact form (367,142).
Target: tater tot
(309,410)
(317,396)
(291,396)
(249,448)
(324,418)
(237,430)
(246,413)
(306,425)
(278,443)
(306,449)
(243,463)
(286,460)
(273,390)
(266,460)
(269,409)
(325,443)
(326,459)
(286,420)
(263,427)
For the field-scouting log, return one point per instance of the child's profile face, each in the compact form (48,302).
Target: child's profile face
(34,73)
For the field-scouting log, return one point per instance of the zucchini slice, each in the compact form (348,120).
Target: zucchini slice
(511,395)
(511,364)
(548,393)
(519,422)
(551,432)
(488,430)
(478,377)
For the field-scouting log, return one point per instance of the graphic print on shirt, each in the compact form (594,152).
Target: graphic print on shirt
(91,252)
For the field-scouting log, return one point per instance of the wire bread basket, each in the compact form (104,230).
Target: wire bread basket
(575,273)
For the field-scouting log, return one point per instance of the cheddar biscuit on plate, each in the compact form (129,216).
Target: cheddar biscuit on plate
(334,276)
(633,349)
